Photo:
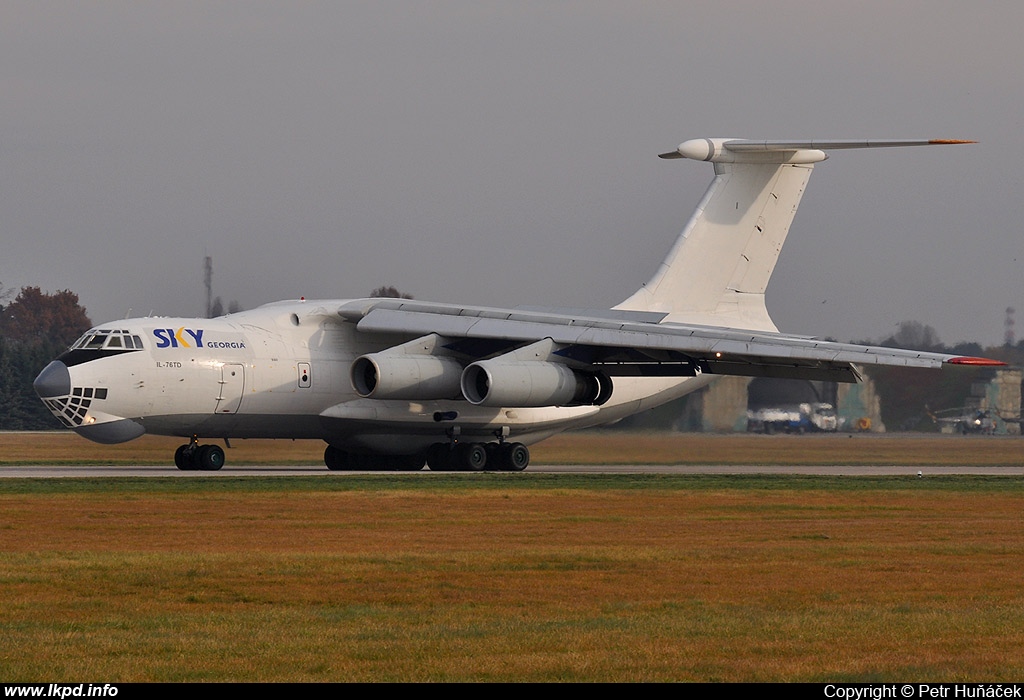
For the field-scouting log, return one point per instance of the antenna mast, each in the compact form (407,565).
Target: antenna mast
(208,280)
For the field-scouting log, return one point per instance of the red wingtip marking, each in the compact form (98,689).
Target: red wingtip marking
(949,142)
(977,362)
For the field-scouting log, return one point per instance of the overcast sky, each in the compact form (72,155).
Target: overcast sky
(505,153)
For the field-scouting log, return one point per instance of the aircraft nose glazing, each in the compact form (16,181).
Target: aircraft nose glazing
(54,380)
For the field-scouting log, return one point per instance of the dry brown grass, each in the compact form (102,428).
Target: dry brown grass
(517,578)
(504,579)
(592,447)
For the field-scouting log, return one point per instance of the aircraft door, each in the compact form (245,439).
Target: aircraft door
(232,384)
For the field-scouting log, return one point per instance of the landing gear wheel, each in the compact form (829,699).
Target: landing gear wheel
(335,459)
(192,456)
(513,457)
(183,458)
(369,461)
(210,458)
(439,457)
(471,457)
(493,454)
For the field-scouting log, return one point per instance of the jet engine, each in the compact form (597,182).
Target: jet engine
(499,382)
(386,375)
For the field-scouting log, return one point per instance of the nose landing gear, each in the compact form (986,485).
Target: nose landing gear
(193,456)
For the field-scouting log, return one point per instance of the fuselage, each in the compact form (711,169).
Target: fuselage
(283,371)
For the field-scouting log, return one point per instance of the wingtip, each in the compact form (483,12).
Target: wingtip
(976,362)
(948,142)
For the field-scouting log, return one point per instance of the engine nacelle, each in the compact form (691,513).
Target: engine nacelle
(384,375)
(500,382)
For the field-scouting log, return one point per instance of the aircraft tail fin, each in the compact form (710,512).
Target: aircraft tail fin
(718,269)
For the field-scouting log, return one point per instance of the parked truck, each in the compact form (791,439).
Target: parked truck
(796,418)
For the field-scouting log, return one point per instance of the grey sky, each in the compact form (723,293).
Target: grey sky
(505,153)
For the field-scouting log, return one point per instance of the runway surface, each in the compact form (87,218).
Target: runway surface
(63,471)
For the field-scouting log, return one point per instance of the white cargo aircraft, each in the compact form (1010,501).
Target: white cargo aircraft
(394,383)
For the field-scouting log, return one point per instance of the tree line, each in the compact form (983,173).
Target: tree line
(35,327)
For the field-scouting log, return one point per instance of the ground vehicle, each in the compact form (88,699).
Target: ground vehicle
(798,418)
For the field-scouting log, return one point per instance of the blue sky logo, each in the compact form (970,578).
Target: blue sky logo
(170,338)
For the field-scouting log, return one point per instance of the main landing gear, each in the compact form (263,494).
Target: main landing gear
(443,457)
(194,456)
(478,456)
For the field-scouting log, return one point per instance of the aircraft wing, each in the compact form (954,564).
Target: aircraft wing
(625,343)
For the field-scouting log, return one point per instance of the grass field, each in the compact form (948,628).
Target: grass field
(522,577)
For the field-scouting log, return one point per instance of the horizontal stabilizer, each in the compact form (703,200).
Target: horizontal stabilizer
(727,150)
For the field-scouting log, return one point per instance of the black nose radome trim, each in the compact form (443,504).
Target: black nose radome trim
(54,380)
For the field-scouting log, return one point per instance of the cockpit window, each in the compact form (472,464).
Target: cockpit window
(96,342)
(112,339)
